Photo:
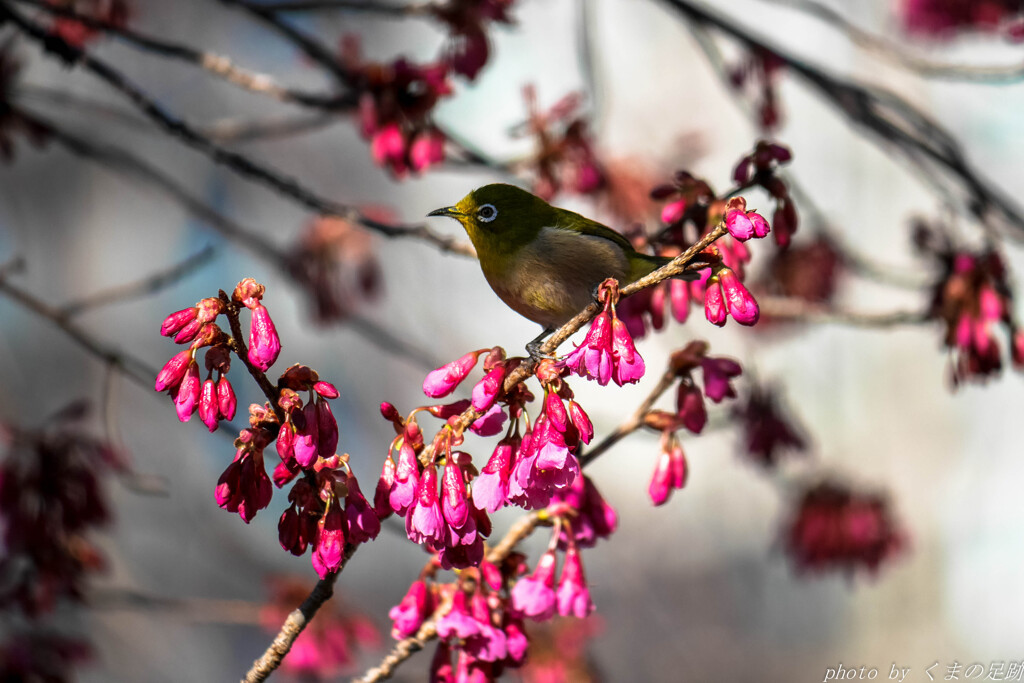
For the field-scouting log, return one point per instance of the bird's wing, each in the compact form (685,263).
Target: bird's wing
(577,223)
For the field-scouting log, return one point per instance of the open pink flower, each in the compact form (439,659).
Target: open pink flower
(573,595)
(409,614)
(534,596)
(424,523)
(593,358)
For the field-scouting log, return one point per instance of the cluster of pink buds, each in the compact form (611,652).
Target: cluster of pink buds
(944,19)
(973,299)
(565,157)
(809,271)
(39,653)
(115,13)
(670,471)
(52,499)
(331,644)
(395,103)
(725,295)
(836,527)
(759,70)
(328,512)
(767,429)
(180,375)
(467,48)
(761,168)
(335,263)
(607,352)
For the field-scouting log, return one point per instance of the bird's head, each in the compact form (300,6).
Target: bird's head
(500,218)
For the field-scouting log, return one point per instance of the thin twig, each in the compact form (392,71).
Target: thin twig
(633,422)
(138,371)
(140,288)
(409,10)
(294,625)
(896,54)
(892,119)
(407,647)
(200,610)
(791,308)
(217,65)
(239,163)
(135,168)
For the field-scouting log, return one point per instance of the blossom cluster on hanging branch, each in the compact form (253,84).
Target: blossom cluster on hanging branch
(328,510)
(53,501)
(972,298)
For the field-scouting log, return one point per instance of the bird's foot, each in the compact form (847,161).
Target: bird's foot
(533,348)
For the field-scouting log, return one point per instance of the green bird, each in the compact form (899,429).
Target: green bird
(545,263)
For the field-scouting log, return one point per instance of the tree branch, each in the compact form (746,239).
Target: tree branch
(790,308)
(140,288)
(896,54)
(217,65)
(294,625)
(239,163)
(889,117)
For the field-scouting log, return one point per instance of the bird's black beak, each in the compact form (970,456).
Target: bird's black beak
(449,211)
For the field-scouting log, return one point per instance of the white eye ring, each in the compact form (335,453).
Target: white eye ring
(487,213)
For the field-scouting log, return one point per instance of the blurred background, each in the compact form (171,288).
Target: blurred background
(698,589)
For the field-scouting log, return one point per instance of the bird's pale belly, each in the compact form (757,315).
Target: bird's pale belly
(554,278)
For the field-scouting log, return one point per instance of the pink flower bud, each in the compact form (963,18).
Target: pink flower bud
(264,344)
(761,227)
(248,292)
(690,407)
(714,305)
(741,303)
(427,149)
(573,595)
(307,432)
(555,411)
(175,321)
(188,392)
(328,553)
(411,612)
(490,488)
(628,366)
(407,478)
(454,505)
(424,523)
(738,225)
(443,381)
(381,502)
(388,147)
(226,402)
(173,371)
(679,300)
(486,390)
(326,389)
(361,520)
(717,374)
(673,211)
(188,332)
(581,421)
(209,411)
(327,430)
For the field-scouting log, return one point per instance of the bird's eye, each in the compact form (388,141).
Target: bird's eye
(487,213)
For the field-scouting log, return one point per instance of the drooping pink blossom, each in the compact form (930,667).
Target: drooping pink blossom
(573,596)
(424,523)
(408,615)
(329,546)
(718,373)
(490,488)
(534,596)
